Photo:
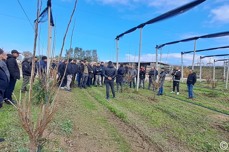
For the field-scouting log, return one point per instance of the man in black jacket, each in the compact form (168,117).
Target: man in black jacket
(142,76)
(190,83)
(74,71)
(13,68)
(98,72)
(176,80)
(109,73)
(119,77)
(26,71)
(61,70)
(4,76)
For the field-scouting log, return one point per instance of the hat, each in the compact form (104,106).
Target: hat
(1,51)
(15,51)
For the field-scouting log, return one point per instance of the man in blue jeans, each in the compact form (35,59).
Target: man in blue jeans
(161,82)
(13,68)
(191,80)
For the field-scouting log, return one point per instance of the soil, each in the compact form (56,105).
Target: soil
(91,136)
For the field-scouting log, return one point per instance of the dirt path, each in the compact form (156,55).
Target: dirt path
(137,140)
(94,127)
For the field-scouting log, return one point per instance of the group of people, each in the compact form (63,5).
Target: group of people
(73,73)
(10,73)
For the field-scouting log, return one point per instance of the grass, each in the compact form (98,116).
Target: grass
(172,122)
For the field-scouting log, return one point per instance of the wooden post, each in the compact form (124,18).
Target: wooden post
(200,70)
(156,58)
(227,75)
(182,67)
(214,71)
(194,54)
(117,51)
(224,71)
(139,57)
(49,41)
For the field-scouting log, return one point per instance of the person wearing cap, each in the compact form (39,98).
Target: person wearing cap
(161,81)
(13,68)
(4,76)
(110,73)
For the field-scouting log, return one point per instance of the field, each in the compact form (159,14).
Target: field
(132,122)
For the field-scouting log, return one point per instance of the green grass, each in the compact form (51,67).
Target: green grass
(173,122)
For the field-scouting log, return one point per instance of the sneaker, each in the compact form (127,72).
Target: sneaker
(9,102)
(69,90)
(108,99)
(62,88)
(178,93)
(172,92)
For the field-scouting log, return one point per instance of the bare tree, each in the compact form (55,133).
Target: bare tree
(35,126)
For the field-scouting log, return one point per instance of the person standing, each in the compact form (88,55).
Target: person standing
(74,71)
(161,82)
(4,76)
(61,71)
(133,75)
(98,75)
(13,68)
(176,80)
(80,73)
(68,75)
(152,78)
(102,76)
(119,77)
(109,73)
(191,80)
(85,74)
(26,72)
(42,67)
(142,76)
(90,74)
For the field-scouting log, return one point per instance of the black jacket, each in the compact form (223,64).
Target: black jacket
(26,67)
(176,75)
(110,71)
(120,74)
(98,70)
(13,68)
(4,79)
(153,73)
(74,68)
(69,70)
(142,74)
(191,78)
(61,68)
(90,71)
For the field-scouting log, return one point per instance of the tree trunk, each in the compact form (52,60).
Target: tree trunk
(32,146)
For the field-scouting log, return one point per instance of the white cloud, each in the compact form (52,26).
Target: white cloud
(220,14)
(160,4)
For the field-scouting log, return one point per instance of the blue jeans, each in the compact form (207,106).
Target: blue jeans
(160,92)
(190,90)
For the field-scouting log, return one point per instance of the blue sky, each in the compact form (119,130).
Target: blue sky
(98,22)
